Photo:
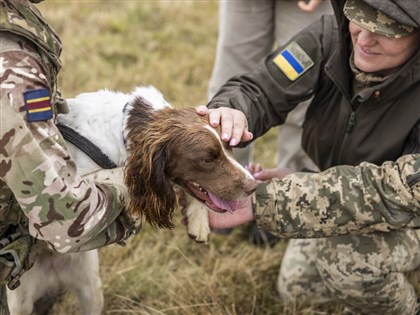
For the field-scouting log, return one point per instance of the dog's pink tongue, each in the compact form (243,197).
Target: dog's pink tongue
(224,204)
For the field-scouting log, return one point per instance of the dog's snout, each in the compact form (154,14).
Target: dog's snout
(250,185)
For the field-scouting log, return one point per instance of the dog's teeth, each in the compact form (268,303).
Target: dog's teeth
(200,189)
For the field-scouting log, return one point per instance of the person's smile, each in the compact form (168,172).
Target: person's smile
(378,53)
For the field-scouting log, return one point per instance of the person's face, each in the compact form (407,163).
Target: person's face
(373,52)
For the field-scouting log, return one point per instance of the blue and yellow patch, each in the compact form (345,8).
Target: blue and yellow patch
(38,105)
(293,61)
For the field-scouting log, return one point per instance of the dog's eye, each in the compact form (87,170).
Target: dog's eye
(210,158)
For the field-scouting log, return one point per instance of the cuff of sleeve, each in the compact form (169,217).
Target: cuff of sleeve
(261,205)
(216,104)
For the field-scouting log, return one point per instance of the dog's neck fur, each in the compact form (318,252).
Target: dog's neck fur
(99,119)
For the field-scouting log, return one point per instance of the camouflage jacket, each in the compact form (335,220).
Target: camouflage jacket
(342,200)
(38,178)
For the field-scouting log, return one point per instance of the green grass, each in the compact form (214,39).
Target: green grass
(169,44)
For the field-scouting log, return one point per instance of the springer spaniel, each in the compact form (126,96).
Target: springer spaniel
(162,149)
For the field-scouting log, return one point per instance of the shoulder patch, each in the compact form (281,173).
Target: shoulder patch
(38,105)
(293,61)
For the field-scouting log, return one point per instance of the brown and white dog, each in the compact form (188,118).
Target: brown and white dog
(161,149)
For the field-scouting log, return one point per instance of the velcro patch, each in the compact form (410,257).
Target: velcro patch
(38,105)
(293,61)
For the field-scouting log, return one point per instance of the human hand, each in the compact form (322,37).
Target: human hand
(267,174)
(309,6)
(233,123)
(243,214)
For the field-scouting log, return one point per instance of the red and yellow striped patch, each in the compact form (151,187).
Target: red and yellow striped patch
(38,105)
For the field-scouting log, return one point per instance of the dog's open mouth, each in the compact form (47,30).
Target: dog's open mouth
(212,201)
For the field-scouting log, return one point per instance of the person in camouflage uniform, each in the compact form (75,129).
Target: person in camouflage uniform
(356,223)
(41,193)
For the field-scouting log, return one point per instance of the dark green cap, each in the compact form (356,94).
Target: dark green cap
(375,21)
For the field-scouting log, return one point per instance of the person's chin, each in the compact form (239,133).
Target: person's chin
(365,66)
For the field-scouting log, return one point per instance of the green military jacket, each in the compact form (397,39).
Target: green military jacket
(379,123)
(339,127)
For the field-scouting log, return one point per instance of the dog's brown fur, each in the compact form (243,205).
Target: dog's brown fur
(165,146)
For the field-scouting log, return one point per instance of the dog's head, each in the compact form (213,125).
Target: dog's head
(177,146)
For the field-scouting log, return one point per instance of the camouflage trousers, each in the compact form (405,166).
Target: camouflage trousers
(367,273)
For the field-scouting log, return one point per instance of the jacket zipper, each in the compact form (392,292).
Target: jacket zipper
(349,127)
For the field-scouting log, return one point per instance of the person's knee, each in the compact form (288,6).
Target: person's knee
(367,286)
(367,291)
(298,277)
(301,291)
(343,269)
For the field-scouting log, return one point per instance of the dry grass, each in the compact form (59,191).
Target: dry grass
(168,44)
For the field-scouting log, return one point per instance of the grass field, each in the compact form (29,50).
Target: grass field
(169,44)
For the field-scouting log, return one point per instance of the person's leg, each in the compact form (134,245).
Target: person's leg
(289,21)
(246,35)
(366,272)
(299,279)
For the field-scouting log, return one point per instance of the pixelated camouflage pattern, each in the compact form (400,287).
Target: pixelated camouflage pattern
(299,279)
(365,272)
(342,200)
(67,211)
(374,20)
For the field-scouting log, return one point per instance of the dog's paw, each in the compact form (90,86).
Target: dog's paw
(199,233)
(198,221)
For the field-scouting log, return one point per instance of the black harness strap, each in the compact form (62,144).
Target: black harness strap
(86,146)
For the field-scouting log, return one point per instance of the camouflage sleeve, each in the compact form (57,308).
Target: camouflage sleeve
(342,200)
(67,211)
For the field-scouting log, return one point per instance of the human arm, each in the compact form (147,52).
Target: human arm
(341,200)
(267,95)
(67,211)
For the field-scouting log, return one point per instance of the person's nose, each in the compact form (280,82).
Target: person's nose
(366,38)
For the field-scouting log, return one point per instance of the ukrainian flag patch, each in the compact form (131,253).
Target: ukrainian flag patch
(293,61)
(38,105)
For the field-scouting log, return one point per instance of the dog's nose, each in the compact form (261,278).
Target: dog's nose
(250,185)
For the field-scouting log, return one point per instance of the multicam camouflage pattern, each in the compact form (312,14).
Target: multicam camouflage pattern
(22,18)
(38,177)
(363,271)
(374,20)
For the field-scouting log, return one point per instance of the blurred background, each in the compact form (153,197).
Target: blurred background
(119,45)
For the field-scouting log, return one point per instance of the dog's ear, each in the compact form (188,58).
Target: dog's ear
(151,193)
